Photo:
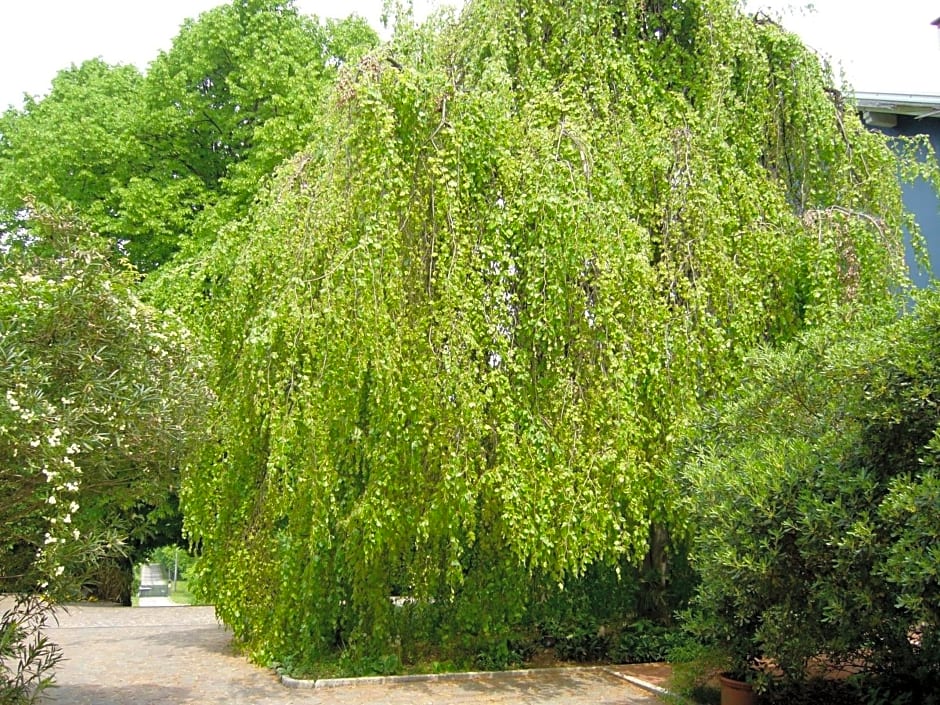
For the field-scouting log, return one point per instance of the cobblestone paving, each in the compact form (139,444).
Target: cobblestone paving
(118,656)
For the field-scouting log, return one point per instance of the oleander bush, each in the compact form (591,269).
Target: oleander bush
(816,494)
(99,397)
(27,657)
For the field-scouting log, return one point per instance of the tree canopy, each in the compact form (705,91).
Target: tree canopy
(459,335)
(157,160)
(74,148)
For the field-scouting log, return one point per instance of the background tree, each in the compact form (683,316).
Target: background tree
(236,94)
(75,148)
(456,340)
(150,161)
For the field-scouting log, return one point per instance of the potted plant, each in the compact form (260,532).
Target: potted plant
(725,654)
(735,691)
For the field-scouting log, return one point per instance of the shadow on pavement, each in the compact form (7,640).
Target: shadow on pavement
(152,694)
(209,639)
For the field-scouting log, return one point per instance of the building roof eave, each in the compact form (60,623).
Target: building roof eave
(916,105)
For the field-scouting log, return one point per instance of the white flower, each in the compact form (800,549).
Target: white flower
(73,507)
(59,570)
(30,279)
(76,534)
(50,499)
(67,519)
(49,539)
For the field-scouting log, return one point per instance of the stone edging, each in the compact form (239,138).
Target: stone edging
(638,682)
(319,683)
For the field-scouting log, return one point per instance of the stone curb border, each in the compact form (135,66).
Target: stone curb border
(321,683)
(421,678)
(638,682)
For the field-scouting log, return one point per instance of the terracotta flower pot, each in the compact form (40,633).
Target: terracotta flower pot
(734,692)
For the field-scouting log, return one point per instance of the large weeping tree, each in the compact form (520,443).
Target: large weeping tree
(458,337)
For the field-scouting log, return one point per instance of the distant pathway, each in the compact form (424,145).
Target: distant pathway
(157,602)
(153,591)
(126,656)
(153,582)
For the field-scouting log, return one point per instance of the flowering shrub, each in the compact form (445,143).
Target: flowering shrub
(97,396)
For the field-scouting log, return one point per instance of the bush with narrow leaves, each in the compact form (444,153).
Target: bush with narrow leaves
(816,493)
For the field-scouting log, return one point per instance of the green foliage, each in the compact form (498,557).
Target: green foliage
(173,559)
(27,657)
(239,91)
(816,496)
(599,617)
(99,396)
(647,642)
(75,148)
(150,160)
(456,339)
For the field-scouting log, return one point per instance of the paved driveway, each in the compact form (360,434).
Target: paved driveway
(160,655)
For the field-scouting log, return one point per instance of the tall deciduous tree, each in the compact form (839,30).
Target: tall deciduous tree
(458,338)
(149,161)
(236,94)
(75,148)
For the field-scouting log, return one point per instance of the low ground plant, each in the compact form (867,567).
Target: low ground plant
(27,657)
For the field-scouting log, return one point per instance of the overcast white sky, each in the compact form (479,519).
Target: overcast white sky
(40,37)
(882,46)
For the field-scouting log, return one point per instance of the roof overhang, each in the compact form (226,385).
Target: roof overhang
(882,109)
(885,107)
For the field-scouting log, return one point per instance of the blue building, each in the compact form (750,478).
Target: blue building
(903,114)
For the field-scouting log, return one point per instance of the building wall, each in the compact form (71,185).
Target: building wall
(921,198)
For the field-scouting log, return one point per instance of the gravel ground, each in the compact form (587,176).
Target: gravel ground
(160,655)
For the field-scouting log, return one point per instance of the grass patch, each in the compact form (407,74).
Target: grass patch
(181,595)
